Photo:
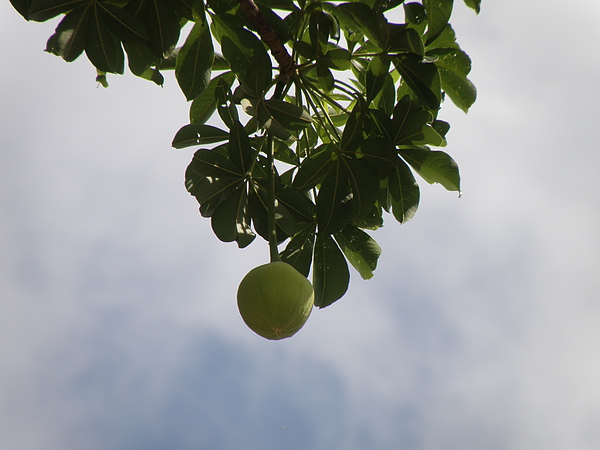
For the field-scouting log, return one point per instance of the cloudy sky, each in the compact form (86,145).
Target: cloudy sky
(480,329)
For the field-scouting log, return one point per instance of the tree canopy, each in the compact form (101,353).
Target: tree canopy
(311,119)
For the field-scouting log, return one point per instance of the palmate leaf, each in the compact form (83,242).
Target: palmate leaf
(194,61)
(433,166)
(231,219)
(330,272)
(360,249)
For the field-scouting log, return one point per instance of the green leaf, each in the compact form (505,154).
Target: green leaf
(240,152)
(247,57)
(353,131)
(210,163)
(422,78)
(364,184)
(198,134)
(371,24)
(288,115)
(337,58)
(42,10)
(299,251)
(438,14)
(453,66)
(123,25)
(162,24)
(381,154)
(102,48)
(325,77)
(209,191)
(377,73)
(22,7)
(141,61)
(474,5)
(360,249)
(330,272)
(205,104)
(231,219)
(71,35)
(313,170)
(285,223)
(406,39)
(409,120)
(334,201)
(194,61)
(404,192)
(434,167)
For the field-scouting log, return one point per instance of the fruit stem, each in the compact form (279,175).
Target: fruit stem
(273,251)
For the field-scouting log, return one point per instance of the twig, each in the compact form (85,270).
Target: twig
(287,66)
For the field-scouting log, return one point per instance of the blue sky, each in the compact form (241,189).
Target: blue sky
(118,323)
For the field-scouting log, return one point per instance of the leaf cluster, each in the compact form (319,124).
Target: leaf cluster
(325,152)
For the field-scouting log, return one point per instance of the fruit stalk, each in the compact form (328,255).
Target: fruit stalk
(273,250)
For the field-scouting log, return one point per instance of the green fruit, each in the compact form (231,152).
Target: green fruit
(275,300)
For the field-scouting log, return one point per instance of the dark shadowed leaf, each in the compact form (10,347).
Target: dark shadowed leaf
(205,104)
(299,251)
(403,192)
(421,77)
(123,25)
(198,134)
(194,61)
(162,24)
(313,170)
(102,48)
(240,152)
(42,10)
(231,219)
(334,201)
(210,163)
(71,35)
(247,58)
(330,272)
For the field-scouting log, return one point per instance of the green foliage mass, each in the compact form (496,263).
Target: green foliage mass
(325,111)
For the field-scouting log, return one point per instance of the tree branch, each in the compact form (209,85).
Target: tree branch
(287,66)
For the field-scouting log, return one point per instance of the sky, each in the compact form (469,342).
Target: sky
(480,329)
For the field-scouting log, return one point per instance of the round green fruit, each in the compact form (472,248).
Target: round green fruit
(275,300)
